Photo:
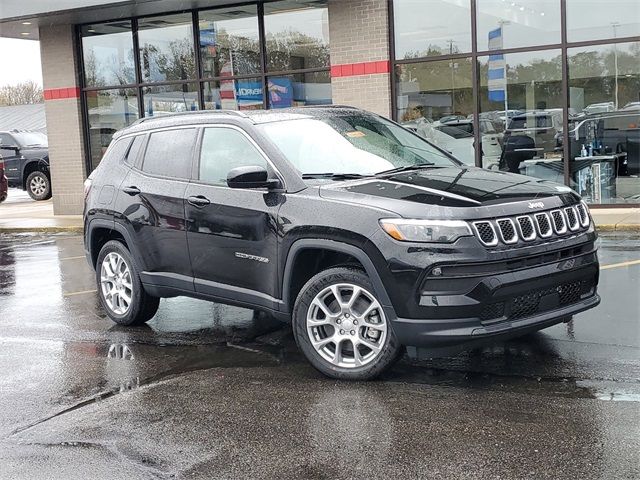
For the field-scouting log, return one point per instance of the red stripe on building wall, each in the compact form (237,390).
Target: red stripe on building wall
(60,93)
(364,68)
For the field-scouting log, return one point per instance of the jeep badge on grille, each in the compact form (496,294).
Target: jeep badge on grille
(536,205)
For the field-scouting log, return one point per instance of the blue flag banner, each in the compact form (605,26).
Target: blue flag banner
(496,76)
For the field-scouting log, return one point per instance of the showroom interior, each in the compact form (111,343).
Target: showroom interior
(549,88)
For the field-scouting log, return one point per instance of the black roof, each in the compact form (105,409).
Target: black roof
(234,116)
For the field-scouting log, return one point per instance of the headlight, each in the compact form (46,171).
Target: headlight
(440,231)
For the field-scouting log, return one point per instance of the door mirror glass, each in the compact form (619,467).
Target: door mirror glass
(250,177)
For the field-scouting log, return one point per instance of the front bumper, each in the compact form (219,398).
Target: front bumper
(502,305)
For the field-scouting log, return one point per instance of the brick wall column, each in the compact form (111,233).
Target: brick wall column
(64,118)
(360,68)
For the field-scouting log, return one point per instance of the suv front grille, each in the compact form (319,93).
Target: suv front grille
(559,224)
(527,228)
(486,233)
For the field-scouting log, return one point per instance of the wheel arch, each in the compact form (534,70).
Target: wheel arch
(306,244)
(100,231)
(34,165)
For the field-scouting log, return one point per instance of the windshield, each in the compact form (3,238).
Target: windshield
(350,144)
(31,139)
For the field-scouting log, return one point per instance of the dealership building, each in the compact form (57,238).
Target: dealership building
(548,88)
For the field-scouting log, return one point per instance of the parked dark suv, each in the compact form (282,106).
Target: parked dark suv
(26,159)
(361,233)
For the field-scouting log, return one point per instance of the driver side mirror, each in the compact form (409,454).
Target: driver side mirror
(16,148)
(251,177)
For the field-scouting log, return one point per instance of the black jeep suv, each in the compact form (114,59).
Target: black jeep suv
(26,161)
(362,234)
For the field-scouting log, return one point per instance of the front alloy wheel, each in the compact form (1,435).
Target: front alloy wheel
(346,325)
(341,327)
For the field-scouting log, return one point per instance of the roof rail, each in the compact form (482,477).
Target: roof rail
(195,112)
(328,106)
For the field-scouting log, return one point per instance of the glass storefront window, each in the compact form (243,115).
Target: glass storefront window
(424,28)
(107,49)
(234,94)
(297,34)
(108,111)
(521,95)
(166,48)
(299,89)
(521,23)
(598,20)
(229,41)
(604,137)
(170,99)
(435,99)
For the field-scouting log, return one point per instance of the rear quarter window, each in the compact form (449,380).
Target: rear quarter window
(116,151)
(134,151)
(169,153)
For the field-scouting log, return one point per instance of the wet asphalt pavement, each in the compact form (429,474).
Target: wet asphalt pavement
(209,391)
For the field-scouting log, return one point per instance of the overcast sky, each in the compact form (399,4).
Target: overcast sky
(20,61)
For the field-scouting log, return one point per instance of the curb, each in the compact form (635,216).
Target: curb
(70,229)
(612,227)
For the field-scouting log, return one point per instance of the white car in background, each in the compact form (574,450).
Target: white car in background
(457,138)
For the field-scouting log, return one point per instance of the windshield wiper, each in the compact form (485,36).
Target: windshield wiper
(408,168)
(334,176)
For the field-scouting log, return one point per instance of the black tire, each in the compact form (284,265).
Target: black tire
(38,185)
(390,349)
(142,306)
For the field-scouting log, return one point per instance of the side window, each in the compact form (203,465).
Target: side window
(169,153)
(224,149)
(134,151)
(6,139)
(116,150)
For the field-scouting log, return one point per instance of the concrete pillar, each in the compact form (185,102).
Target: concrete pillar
(360,68)
(64,118)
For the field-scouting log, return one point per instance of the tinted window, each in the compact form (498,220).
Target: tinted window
(6,139)
(116,151)
(134,151)
(224,149)
(169,153)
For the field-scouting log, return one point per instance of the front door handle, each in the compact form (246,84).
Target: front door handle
(199,201)
(131,190)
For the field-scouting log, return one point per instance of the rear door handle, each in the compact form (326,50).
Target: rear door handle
(199,201)
(131,190)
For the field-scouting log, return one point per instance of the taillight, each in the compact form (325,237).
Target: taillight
(87,187)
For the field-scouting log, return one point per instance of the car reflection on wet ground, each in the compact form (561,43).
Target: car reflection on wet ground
(210,391)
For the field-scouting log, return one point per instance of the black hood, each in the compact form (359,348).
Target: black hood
(448,187)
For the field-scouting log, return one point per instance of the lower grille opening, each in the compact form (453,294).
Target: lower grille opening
(537,301)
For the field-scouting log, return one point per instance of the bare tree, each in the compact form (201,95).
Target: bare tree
(24,93)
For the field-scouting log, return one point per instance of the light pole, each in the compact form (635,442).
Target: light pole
(502,24)
(615,26)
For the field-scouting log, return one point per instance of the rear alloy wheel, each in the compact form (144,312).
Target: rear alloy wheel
(341,326)
(119,288)
(116,285)
(38,186)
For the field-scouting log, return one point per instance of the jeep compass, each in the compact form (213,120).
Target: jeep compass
(362,234)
